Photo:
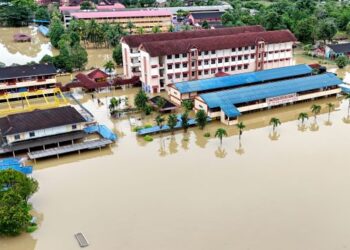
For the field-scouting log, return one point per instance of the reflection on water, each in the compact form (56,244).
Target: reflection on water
(185,191)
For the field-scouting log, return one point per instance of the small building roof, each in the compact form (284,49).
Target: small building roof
(97,73)
(21,71)
(243,79)
(171,47)
(39,119)
(227,99)
(21,37)
(136,40)
(87,83)
(207,15)
(120,14)
(340,48)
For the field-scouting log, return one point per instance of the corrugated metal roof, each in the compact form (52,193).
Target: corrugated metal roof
(228,98)
(243,79)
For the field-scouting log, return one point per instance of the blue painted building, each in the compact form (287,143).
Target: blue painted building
(227,105)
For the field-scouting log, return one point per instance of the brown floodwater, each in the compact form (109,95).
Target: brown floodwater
(21,53)
(285,190)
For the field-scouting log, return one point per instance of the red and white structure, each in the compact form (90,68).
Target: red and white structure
(166,62)
(131,44)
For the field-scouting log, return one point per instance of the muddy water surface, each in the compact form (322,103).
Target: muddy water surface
(288,190)
(21,53)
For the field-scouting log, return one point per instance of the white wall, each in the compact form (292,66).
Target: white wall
(45,132)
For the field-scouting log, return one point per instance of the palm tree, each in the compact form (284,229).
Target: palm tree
(315,109)
(140,30)
(275,122)
(303,116)
(330,109)
(172,121)
(159,120)
(130,26)
(240,126)
(184,121)
(156,29)
(220,133)
(109,66)
(347,97)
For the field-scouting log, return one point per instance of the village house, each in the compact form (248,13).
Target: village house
(332,51)
(15,79)
(39,127)
(212,18)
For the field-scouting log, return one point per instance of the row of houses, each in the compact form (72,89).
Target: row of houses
(164,59)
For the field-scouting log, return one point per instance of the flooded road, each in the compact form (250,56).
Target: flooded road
(21,53)
(285,191)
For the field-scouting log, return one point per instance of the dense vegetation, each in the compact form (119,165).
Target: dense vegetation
(15,190)
(309,20)
(21,12)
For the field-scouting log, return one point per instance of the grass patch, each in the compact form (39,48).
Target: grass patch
(148,138)
(207,134)
(31,228)
(138,128)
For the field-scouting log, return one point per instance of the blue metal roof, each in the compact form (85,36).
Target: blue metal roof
(226,99)
(243,79)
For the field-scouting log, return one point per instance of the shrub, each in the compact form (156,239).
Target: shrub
(207,134)
(148,126)
(148,138)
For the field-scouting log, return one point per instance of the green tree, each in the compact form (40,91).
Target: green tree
(130,25)
(184,121)
(156,29)
(109,66)
(220,133)
(305,31)
(205,25)
(79,57)
(56,31)
(172,121)
(240,127)
(118,55)
(42,13)
(47,59)
(326,29)
(140,30)
(330,107)
(141,100)
(187,105)
(160,103)
(86,5)
(275,122)
(201,118)
(315,109)
(171,28)
(341,61)
(303,116)
(159,121)
(16,189)
(273,21)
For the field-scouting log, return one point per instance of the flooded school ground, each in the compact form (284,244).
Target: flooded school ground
(285,190)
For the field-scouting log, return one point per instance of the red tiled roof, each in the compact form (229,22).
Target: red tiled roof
(133,80)
(120,14)
(217,43)
(97,73)
(87,83)
(136,40)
